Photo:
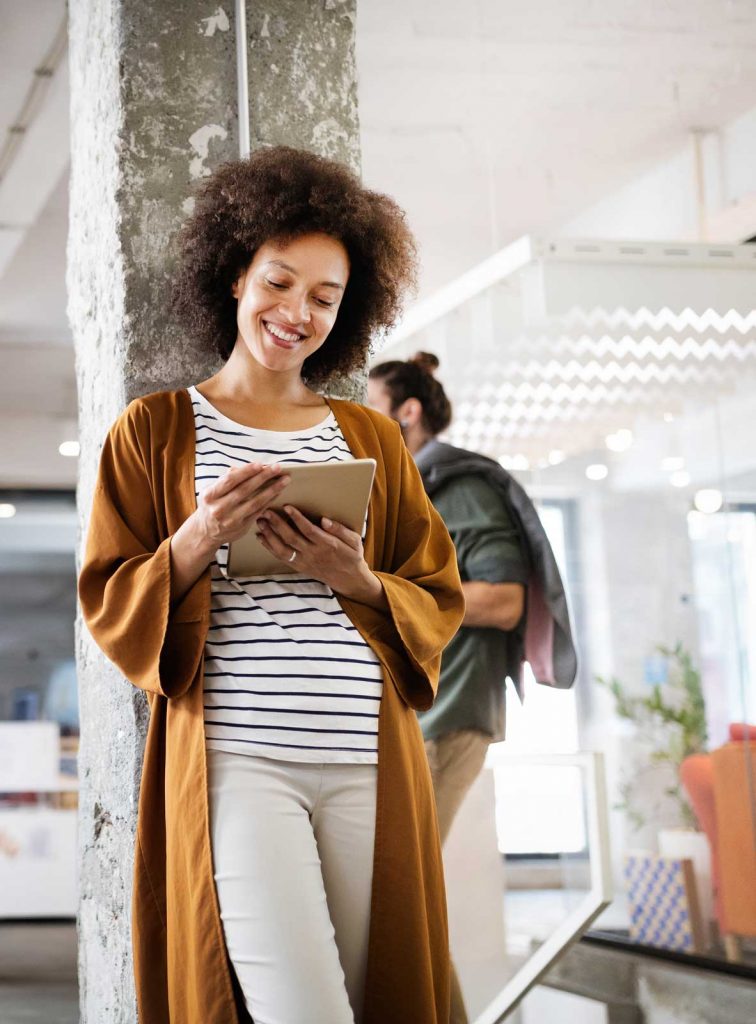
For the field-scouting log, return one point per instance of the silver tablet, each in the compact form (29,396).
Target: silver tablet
(338,490)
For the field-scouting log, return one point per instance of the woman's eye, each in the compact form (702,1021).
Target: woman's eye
(275,284)
(326,303)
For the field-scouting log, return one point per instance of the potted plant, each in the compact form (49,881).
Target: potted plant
(671,719)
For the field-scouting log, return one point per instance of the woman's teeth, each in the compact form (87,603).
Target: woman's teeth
(283,335)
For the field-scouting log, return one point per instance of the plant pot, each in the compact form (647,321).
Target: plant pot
(686,843)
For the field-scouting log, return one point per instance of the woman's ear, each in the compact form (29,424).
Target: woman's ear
(238,285)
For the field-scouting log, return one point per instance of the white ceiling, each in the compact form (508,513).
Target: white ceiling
(486,120)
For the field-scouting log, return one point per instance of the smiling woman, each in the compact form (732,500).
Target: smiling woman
(288,862)
(275,197)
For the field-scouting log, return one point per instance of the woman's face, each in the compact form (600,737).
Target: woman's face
(288,298)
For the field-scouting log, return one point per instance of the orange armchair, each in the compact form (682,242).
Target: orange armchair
(721,787)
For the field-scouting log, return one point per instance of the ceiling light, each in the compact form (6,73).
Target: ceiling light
(668,417)
(555,457)
(672,463)
(7,511)
(620,440)
(69,448)
(597,471)
(708,500)
(680,478)
(520,462)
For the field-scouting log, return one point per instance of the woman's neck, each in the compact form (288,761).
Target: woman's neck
(242,380)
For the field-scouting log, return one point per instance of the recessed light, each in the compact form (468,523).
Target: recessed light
(597,471)
(680,478)
(69,449)
(708,500)
(620,440)
(556,456)
(7,511)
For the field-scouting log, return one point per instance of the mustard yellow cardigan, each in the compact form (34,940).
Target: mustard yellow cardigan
(144,491)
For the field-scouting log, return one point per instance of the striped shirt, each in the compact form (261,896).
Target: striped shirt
(287,675)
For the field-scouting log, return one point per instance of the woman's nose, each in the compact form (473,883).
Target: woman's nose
(297,308)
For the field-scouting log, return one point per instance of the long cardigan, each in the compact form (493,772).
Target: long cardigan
(144,492)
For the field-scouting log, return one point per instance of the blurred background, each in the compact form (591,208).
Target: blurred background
(581,178)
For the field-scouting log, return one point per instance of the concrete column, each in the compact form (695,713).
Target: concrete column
(153,107)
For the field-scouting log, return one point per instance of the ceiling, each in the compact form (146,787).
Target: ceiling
(486,120)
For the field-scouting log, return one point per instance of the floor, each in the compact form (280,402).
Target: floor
(38,973)
(38,982)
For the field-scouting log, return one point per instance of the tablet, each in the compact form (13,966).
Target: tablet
(338,490)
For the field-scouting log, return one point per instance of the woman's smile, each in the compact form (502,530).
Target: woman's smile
(284,337)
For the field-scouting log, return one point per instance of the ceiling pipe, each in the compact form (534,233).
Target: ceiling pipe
(242,78)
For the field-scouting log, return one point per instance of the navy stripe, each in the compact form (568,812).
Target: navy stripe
(299,693)
(322,426)
(271,579)
(286,611)
(256,450)
(290,711)
(291,728)
(212,434)
(287,625)
(294,746)
(291,675)
(315,659)
(287,640)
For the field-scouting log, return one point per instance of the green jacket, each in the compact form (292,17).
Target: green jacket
(474,666)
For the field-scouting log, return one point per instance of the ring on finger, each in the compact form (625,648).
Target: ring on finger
(292,556)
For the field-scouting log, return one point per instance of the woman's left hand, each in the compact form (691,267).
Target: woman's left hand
(330,553)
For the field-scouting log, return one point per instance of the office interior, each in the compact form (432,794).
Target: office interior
(582,183)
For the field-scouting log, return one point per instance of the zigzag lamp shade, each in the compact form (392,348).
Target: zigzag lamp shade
(563,342)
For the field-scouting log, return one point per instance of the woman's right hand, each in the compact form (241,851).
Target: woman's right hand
(227,509)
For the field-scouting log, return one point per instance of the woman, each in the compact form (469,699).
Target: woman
(287,862)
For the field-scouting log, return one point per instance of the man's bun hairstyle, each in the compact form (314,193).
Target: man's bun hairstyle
(414,378)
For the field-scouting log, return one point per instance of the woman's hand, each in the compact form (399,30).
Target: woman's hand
(227,509)
(330,553)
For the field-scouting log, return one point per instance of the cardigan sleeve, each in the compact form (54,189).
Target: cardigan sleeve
(422,588)
(125,579)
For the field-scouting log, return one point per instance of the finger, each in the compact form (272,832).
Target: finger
(273,543)
(307,528)
(283,529)
(342,533)
(261,498)
(251,471)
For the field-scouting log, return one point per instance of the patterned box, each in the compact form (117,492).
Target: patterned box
(663,905)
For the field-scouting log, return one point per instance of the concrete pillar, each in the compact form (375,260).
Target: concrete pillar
(153,107)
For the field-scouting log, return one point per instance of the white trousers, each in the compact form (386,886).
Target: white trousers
(293,861)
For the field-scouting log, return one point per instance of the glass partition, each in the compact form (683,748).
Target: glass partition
(39,721)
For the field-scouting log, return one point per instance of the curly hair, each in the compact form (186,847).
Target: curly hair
(279,194)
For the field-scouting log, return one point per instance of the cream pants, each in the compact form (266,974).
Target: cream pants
(293,861)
